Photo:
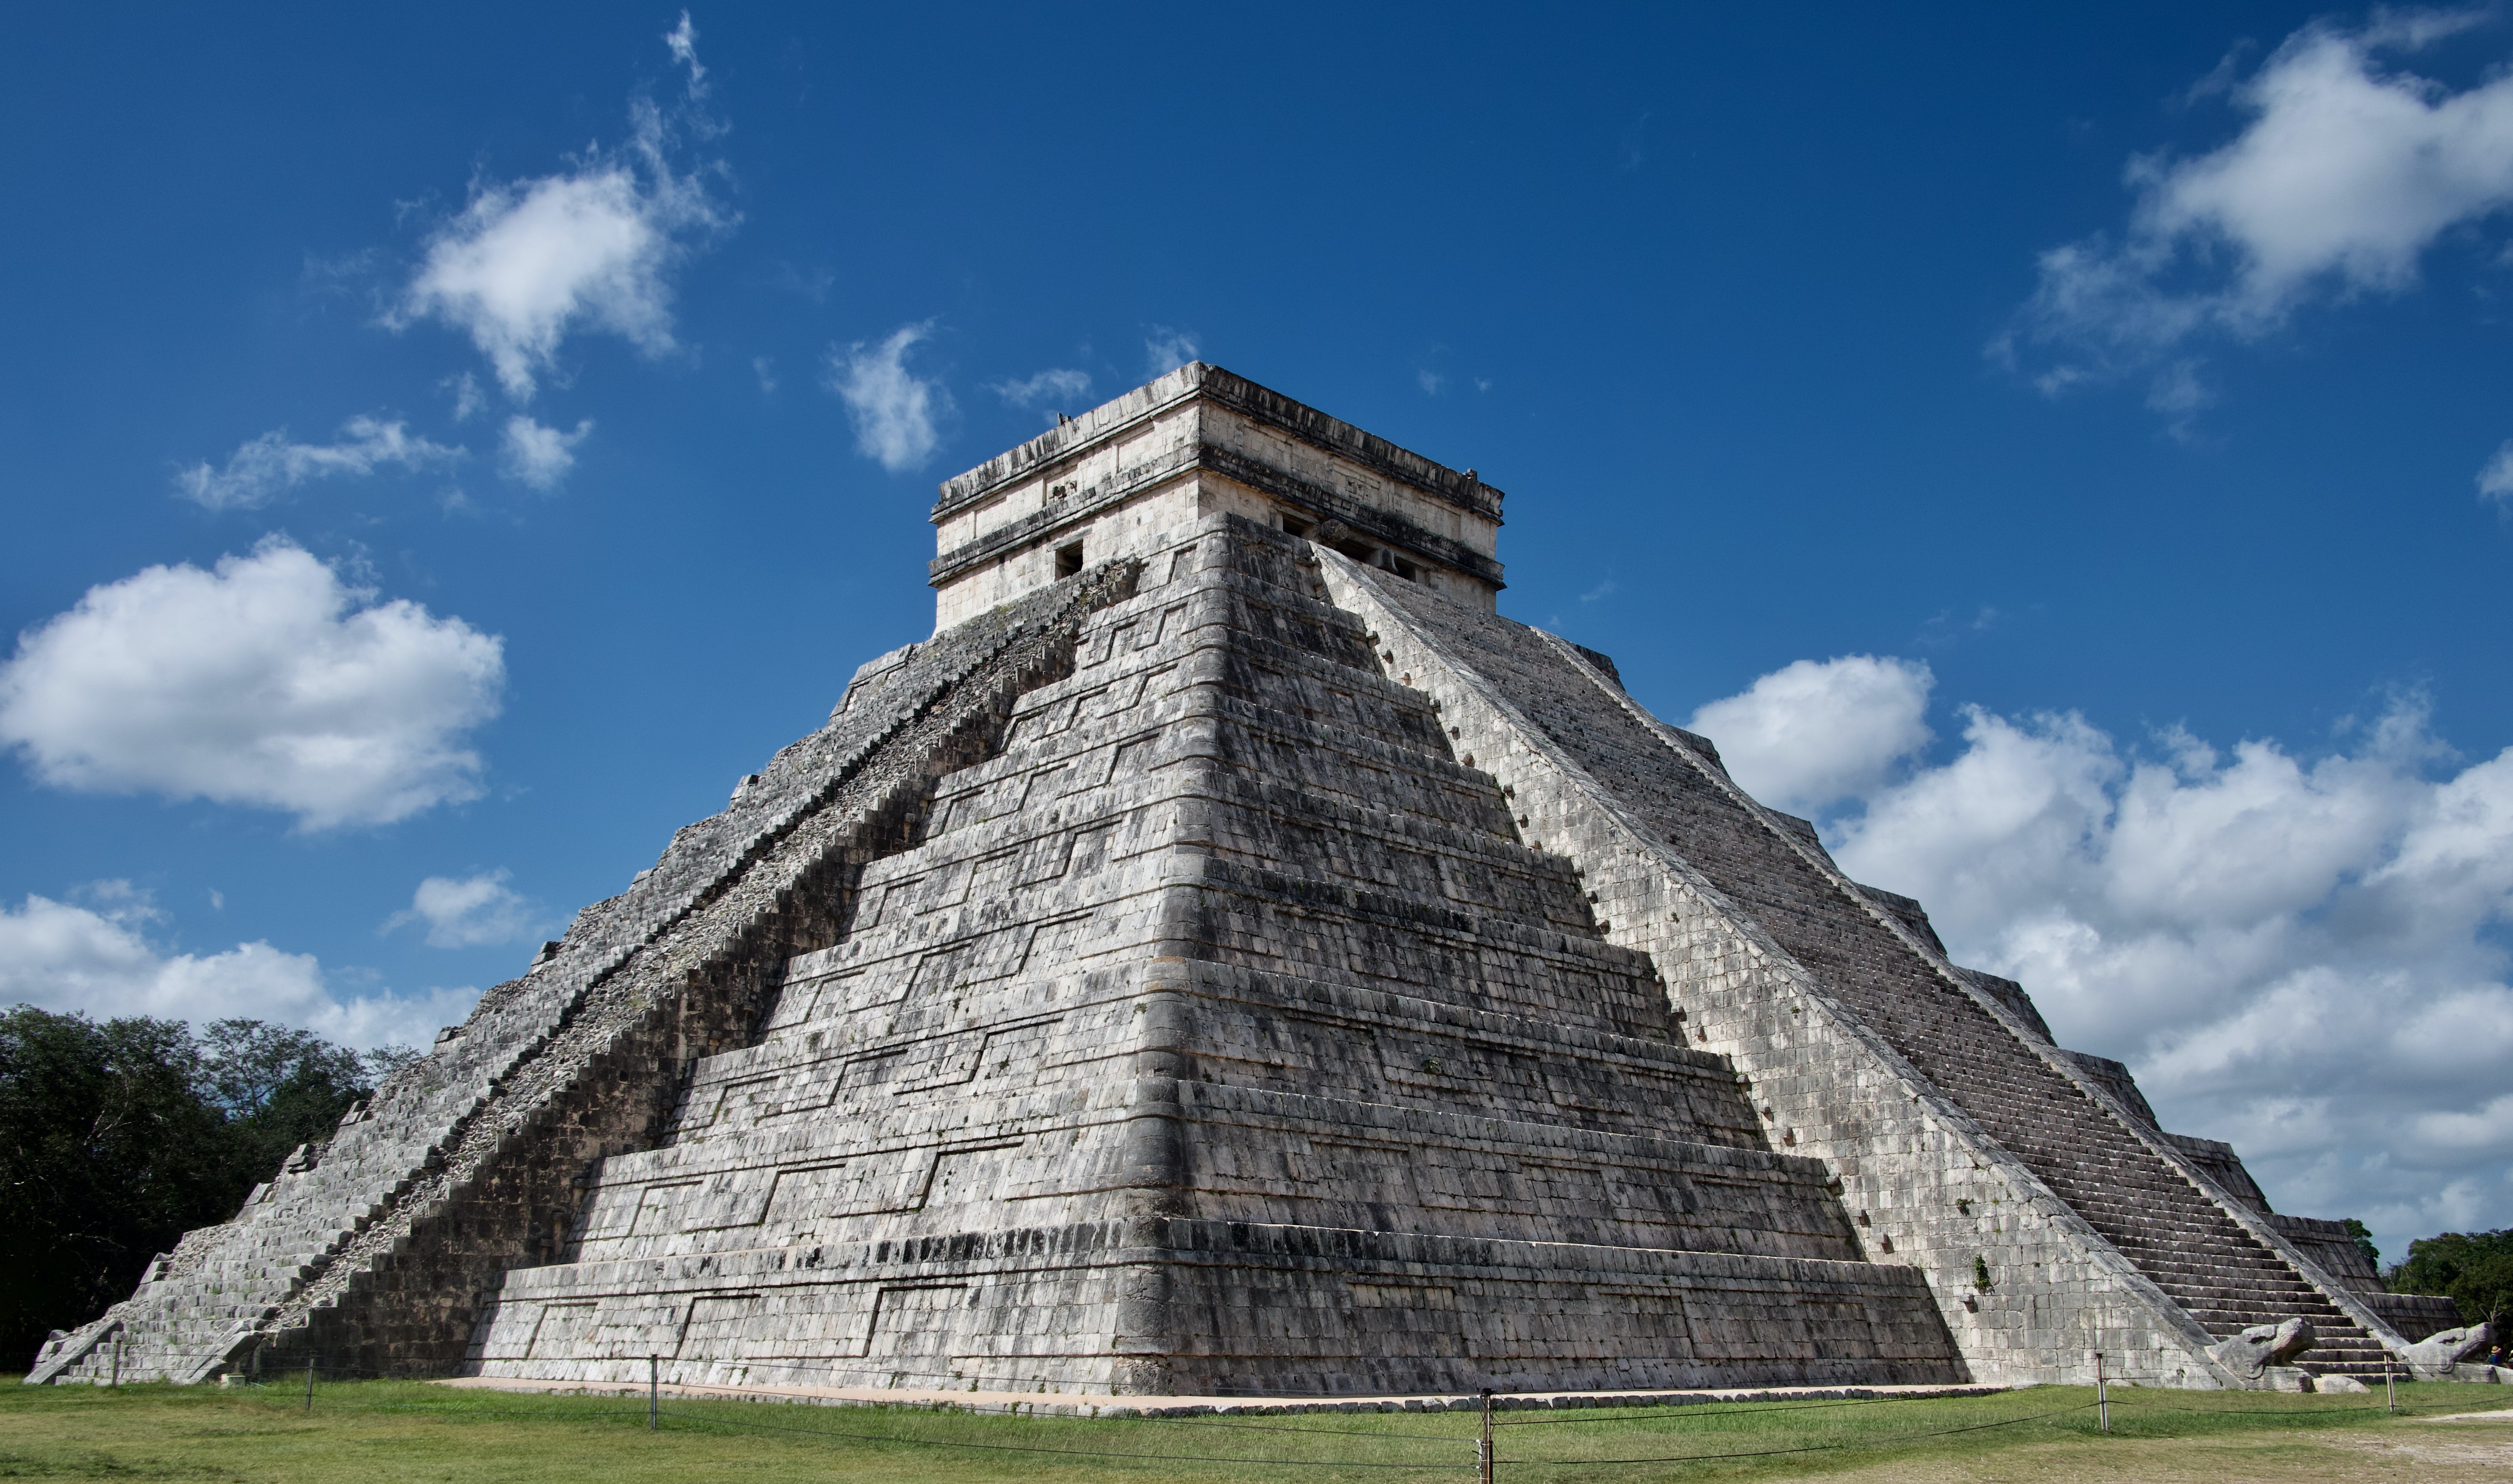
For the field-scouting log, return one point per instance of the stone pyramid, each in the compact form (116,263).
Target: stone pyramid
(1229,959)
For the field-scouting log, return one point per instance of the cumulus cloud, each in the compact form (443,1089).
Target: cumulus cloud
(466,912)
(268,683)
(1056,382)
(893,410)
(528,262)
(1820,730)
(540,457)
(62,956)
(262,468)
(1165,350)
(2346,171)
(2303,955)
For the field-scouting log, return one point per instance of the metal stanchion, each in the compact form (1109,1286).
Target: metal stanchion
(117,1362)
(1484,1449)
(2102,1394)
(309,1383)
(653,1393)
(2391,1384)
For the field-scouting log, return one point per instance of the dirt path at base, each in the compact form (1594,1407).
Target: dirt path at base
(2424,1452)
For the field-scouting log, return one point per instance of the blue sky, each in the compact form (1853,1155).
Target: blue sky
(2058,451)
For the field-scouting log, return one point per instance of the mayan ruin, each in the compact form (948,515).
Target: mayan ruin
(1227,959)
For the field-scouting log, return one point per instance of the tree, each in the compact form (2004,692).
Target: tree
(107,1154)
(276,1088)
(2472,1268)
(116,1139)
(2363,1236)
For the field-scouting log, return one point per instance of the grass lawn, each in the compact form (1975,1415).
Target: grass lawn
(404,1433)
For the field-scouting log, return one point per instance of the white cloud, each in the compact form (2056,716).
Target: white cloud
(2344,174)
(893,410)
(683,42)
(1430,381)
(2496,477)
(260,469)
(2303,954)
(1817,731)
(466,395)
(467,913)
(765,368)
(63,957)
(540,457)
(1165,350)
(528,262)
(268,683)
(1030,391)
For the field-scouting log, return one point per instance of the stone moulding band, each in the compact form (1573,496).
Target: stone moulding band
(1042,455)
(1387,528)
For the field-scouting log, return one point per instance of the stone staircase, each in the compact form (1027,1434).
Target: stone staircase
(2148,1209)
(435,1136)
(2222,1275)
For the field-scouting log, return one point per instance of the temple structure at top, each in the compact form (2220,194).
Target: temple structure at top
(1201,441)
(1227,959)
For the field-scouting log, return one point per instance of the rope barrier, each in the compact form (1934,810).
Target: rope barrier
(1631,1416)
(1161,1457)
(1764,1452)
(460,1410)
(1687,1411)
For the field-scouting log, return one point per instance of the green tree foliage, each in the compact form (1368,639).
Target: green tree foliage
(117,1138)
(2472,1268)
(2364,1235)
(276,1088)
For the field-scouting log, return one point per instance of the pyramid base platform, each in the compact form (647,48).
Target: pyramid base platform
(1172,1307)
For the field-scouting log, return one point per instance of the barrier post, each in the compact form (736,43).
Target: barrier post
(309,1383)
(654,1395)
(2391,1384)
(2102,1394)
(117,1360)
(1484,1450)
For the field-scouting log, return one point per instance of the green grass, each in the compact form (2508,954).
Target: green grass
(402,1432)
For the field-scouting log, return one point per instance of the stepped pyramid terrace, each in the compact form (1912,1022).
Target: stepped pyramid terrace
(1227,959)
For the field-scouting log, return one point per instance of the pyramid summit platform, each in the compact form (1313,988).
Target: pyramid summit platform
(1229,959)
